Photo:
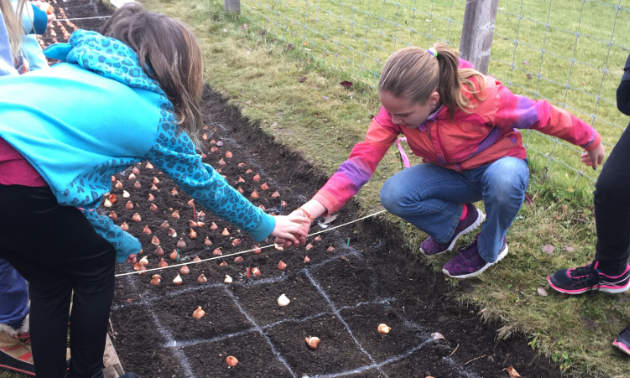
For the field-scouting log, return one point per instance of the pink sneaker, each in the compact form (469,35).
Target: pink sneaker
(474,219)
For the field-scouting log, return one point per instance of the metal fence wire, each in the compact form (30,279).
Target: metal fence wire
(570,53)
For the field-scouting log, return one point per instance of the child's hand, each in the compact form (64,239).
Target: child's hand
(594,158)
(305,225)
(131,259)
(291,227)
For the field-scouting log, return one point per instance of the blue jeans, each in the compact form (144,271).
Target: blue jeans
(13,296)
(431,198)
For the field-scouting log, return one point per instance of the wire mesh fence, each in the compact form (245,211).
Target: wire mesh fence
(570,53)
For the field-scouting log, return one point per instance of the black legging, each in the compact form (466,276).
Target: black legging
(612,194)
(57,250)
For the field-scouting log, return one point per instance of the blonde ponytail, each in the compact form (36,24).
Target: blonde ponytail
(13,23)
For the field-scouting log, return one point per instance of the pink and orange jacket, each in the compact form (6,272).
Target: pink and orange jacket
(489,132)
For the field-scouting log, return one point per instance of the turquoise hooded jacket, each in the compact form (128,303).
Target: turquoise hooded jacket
(94,115)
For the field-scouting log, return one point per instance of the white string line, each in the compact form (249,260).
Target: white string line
(242,252)
(81,18)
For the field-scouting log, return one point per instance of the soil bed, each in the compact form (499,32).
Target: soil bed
(339,296)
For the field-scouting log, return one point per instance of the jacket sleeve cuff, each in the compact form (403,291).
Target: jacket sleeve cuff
(596,142)
(40,20)
(323,198)
(264,229)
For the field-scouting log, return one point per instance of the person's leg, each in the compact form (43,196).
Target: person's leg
(57,250)
(431,198)
(504,183)
(609,272)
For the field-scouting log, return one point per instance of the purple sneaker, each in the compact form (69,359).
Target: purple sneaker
(429,247)
(468,263)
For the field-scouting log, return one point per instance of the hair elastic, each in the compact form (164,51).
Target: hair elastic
(433,51)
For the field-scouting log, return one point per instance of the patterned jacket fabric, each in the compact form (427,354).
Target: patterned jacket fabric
(486,133)
(110,116)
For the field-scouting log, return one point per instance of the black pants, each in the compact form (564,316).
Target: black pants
(56,249)
(612,207)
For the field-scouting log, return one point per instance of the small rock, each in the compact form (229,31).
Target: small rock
(490,359)
(443,319)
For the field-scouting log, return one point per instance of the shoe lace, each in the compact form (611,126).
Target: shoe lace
(585,276)
(24,337)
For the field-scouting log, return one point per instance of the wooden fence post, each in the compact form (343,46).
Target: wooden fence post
(233,6)
(477,32)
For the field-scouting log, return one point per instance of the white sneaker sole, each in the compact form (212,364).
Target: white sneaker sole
(500,257)
(480,218)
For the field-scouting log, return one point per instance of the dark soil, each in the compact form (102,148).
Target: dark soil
(338,296)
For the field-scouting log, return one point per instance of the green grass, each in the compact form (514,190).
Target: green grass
(576,332)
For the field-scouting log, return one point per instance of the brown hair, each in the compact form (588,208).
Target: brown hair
(414,73)
(13,23)
(168,53)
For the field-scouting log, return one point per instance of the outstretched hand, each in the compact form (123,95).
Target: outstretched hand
(291,227)
(594,158)
(305,227)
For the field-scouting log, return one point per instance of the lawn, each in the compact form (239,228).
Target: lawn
(293,94)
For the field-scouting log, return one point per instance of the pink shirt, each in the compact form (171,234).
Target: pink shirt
(15,170)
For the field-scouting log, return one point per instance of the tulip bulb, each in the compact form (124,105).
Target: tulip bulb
(331,249)
(162,263)
(135,171)
(144,261)
(149,165)
(174,255)
(282,265)
(228,279)
(178,280)
(118,185)
(256,271)
(213,150)
(283,301)
(136,217)
(257,250)
(383,329)
(158,251)
(222,162)
(156,279)
(223,263)
(204,136)
(137,185)
(197,259)
(113,215)
(192,234)
(164,224)
(240,190)
(192,223)
(153,207)
(201,214)
(284,204)
(107,203)
(306,260)
(256,177)
(236,242)
(228,154)
(113,178)
(262,207)
(132,176)
(308,246)
(156,180)
(199,313)
(112,198)
(146,230)
(255,195)
(238,259)
(264,186)
(153,187)
(217,252)
(437,336)
(184,270)
(172,233)
(203,156)
(191,202)
(225,232)
(202,279)
(124,226)
(207,241)
(200,224)
(312,342)
(317,238)
(181,243)
(240,179)
(249,171)
(231,361)
(275,195)
(213,226)
(151,197)
(175,214)
(129,205)
(241,165)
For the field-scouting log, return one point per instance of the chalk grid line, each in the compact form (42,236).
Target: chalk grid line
(177,345)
